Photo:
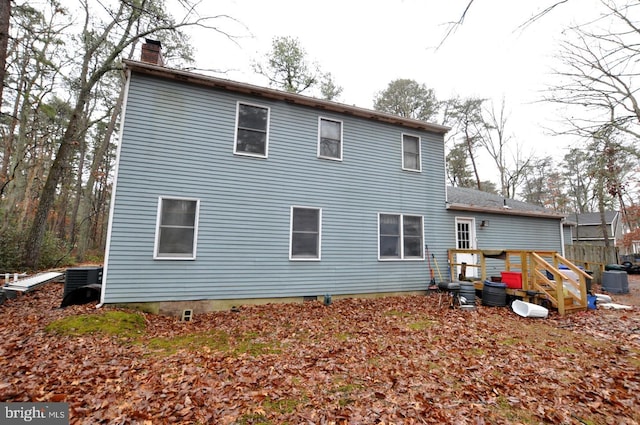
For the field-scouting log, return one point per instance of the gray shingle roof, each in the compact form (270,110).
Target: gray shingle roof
(462,198)
(592,218)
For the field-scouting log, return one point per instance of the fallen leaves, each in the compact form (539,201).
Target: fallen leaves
(394,360)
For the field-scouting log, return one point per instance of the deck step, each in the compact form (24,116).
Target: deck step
(575,308)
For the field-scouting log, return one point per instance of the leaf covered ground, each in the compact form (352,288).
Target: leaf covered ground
(393,360)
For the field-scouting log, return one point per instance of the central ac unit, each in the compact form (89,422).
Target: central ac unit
(81,276)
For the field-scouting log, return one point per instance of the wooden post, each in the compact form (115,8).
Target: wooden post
(524,270)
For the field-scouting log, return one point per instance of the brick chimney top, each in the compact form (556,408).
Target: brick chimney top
(152,52)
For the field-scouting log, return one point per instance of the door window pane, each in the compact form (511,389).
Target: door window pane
(463,235)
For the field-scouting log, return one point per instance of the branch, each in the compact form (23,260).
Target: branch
(540,15)
(453,26)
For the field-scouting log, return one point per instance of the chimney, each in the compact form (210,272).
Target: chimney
(151,52)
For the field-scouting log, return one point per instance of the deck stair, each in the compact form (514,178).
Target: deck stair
(565,291)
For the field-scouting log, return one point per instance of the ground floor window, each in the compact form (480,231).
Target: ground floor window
(306,229)
(400,237)
(176,228)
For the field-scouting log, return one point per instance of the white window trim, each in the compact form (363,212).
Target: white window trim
(235,132)
(419,170)
(473,241)
(320,119)
(402,257)
(291,257)
(159,218)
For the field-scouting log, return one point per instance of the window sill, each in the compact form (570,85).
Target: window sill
(250,155)
(155,257)
(400,259)
(329,158)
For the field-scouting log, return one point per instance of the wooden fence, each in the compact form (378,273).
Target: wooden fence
(592,258)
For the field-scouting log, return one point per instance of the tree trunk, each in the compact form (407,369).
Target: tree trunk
(473,160)
(601,209)
(79,193)
(5,17)
(48,193)
(98,156)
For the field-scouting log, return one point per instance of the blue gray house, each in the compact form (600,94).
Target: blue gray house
(227,193)
(231,193)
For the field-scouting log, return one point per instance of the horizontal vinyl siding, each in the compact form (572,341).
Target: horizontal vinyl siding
(567,235)
(507,232)
(178,141)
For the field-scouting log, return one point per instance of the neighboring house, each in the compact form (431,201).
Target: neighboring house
(228,191)
(487,221)
(588,228)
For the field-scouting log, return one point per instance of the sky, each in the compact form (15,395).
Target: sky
(367,44)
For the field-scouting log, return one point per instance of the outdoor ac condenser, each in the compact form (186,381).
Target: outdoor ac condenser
(81,276)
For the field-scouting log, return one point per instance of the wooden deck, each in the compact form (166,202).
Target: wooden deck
(542,276)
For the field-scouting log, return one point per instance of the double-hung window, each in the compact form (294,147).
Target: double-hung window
(411,153)
(306,230)
(252,130)
(329,139)
(176,228)
(400,237)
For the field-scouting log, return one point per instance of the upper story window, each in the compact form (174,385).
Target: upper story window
(176,228)
(411,153)
(329,139)
(306,229)
(400,237)
(252,130)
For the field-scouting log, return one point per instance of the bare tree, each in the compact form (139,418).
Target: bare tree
(598,85)
(599,73)
(512,164)
(453,26)
(578,179)
(101,45)
(466,119)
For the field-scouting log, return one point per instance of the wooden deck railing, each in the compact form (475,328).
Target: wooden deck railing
(541,274)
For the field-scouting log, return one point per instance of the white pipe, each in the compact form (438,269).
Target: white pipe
(562,238)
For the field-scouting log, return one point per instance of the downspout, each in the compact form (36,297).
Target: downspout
(562,237)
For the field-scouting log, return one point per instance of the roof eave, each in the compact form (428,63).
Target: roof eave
(204,80)
(503,211)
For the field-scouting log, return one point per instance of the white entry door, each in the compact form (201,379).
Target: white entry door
(466,239)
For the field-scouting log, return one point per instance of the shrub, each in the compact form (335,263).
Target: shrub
(10,250)
(54,251)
